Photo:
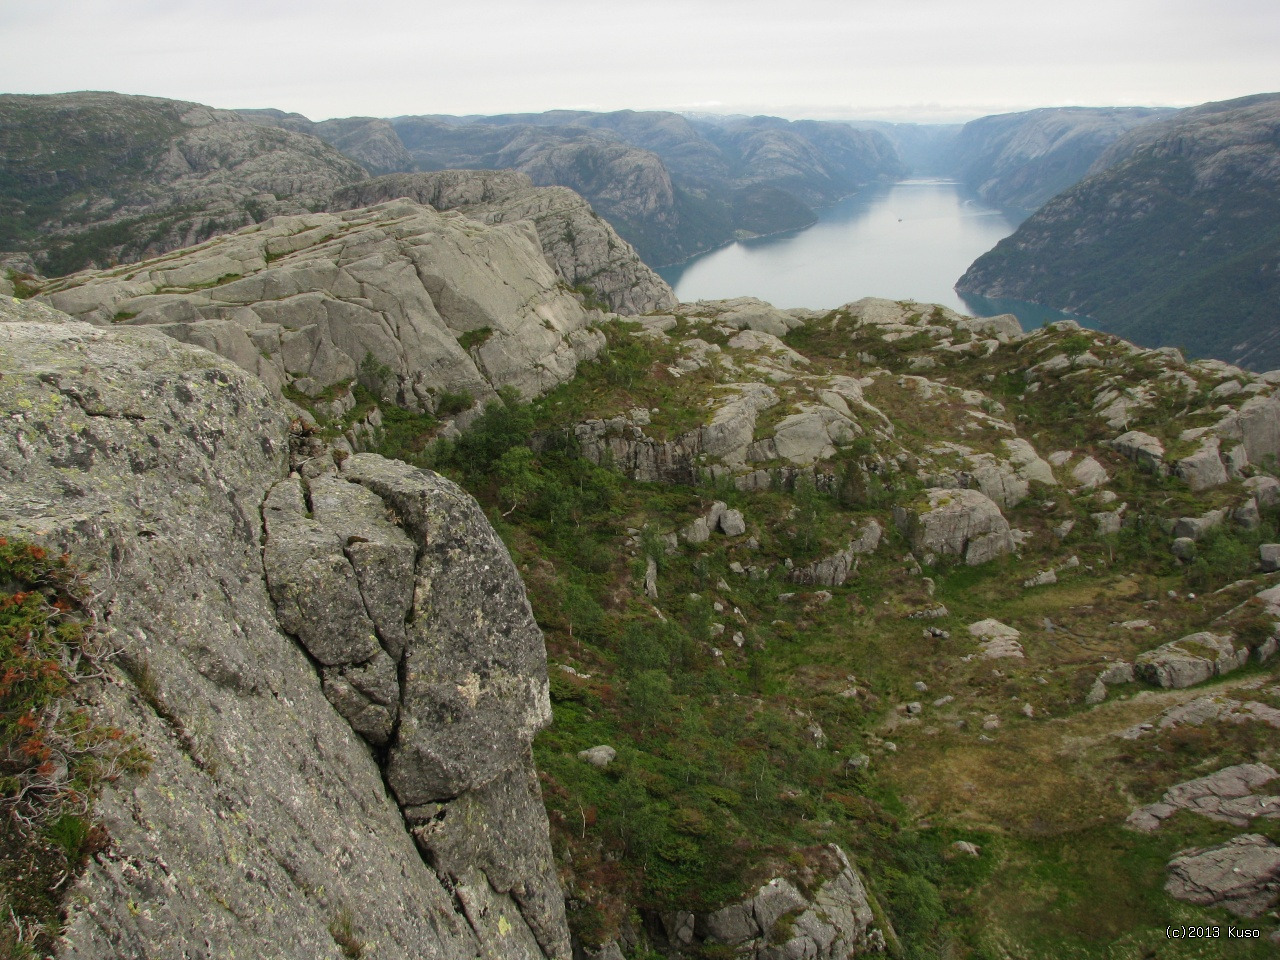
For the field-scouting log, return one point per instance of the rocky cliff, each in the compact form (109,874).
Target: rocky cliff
(417,304)
(334,671)
(98,179)
(1172,240)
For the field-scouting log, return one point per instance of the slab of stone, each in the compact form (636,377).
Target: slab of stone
(1241,875)
(1190,660)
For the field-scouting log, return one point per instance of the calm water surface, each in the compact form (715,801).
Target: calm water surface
(905,241)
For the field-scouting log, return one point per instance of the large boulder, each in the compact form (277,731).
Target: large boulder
(266,818)
(958,523)
(1143,449)
(1190,660)
(833,922)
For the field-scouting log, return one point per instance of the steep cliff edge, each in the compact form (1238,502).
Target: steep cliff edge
(267,821)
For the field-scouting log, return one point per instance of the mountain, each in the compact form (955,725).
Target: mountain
(771,570)
(367,590)
(103,178)
(672,186)
(96,179)
(369,141)
(1022,159)
(925,148)
(1172,239)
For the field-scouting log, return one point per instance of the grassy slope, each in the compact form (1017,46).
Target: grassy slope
(720,780)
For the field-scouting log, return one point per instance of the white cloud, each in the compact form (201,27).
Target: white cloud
(807,57)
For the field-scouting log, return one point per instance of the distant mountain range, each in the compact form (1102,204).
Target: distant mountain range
(671,185)
(1171,236)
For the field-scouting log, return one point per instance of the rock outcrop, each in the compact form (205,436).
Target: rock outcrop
(259,687)
(580,246)
(1227,795)
(1241,875)
(414,303)
(956,523)
(778,922)
(1190,660)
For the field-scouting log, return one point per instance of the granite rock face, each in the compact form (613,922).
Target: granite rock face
(580,246)
(413,302)
(962,523)
(266,817)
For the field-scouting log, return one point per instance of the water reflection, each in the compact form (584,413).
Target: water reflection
(905,241)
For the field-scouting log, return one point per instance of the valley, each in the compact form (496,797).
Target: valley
(449,585)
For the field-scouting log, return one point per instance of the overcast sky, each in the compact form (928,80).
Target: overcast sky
(928,60)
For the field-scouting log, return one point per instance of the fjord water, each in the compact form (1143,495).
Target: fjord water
(909,240)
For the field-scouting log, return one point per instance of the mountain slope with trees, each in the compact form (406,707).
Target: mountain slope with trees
(1174,238)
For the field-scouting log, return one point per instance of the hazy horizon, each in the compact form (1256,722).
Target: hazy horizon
(926,61)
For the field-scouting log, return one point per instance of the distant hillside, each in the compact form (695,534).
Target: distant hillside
(1174,239)
(1022,159)
(98,178)
(672,186)
(925,148)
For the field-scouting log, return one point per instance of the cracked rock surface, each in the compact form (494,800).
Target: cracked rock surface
(266,817)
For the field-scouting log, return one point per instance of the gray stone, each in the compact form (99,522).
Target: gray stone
(1184,548)
(402,287)
(1117,673)
(651,579)
(1241,875)
(957,523)
(1041,579)
(1269,557)
(1203,469)
(1247,515)
(582,247)
(834,570)
(600,756)
(1225,795)
(1143,449)
(1088,474)
(150,462)
(1108,522)
(1190,660)
(475,676)
(732,524)
(1265,490)
(1197,527)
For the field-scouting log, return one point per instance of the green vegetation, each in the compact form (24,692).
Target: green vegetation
(733,767)
(53,757)
(474,338)
(1172,258)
